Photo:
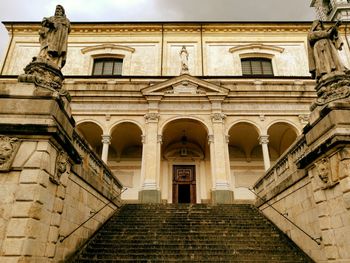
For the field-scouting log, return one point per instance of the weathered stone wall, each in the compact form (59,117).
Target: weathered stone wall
(50,179)
(297,204)
(37,212)
(315,190)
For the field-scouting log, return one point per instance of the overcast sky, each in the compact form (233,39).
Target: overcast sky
(155,10)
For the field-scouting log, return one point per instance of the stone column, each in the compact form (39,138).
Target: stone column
(264,140)
(106,141)
(150,192)
(222,192)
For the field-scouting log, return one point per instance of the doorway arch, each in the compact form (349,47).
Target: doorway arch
(185,161)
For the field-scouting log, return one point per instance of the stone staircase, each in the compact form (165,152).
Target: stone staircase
(190,233)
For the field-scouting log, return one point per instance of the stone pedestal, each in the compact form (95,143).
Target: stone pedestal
(327,161)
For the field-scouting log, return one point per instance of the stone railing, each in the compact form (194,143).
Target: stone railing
(94,170)
(282,170)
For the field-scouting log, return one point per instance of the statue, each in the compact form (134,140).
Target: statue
(184,60)
(322,46)
(332,77)
(53,37)
(45,69)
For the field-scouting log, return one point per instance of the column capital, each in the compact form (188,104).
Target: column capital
(210,138)
(143,139)
(264,139)
(218,117)
(160,138)
(151,117)
(227,138)
(106,139)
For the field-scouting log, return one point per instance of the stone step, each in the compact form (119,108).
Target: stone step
(187,256)
(190,233)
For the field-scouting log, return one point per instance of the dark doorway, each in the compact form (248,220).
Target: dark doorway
(184,184)
(184,193)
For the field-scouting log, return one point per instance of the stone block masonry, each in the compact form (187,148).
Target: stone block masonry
(45,192)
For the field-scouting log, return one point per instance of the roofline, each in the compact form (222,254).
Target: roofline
(169,77)
(167,22)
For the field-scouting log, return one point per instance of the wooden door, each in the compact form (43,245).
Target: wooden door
(184,184)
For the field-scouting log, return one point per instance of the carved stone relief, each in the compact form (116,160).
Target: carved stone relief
(218,117)
(61,167)
(151,117)
(8,150)
(324,173)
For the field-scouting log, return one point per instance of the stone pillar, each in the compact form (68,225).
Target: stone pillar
(222,191)
(106,141)
(150,192)
(264,140)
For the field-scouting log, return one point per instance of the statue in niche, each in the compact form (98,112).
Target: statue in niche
(53,37)
(184,60)
(8,149)
(322,48)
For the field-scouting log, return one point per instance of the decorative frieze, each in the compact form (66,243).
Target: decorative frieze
(8,150)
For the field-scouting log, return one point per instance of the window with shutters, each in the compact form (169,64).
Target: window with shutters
(107,67)
(256,66)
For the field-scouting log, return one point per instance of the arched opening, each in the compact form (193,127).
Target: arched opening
(281,136)
(92,134)
(246,158)
(185,164)
(125,157)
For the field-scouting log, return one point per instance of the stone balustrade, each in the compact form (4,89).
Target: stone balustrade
(94,170)
(283,173)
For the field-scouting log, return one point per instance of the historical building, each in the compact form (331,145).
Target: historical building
(185,112)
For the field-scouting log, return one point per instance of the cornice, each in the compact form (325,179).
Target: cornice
(190,27)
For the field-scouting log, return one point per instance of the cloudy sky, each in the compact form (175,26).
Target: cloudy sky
(155,10)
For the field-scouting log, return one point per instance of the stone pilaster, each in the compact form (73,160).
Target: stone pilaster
(150,192)
(222,190)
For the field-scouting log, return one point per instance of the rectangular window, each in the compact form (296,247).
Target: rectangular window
(256,66)
(108,67)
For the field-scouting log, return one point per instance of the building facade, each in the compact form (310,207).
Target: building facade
(183,112)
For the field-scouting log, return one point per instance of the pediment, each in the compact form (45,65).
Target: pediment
(185,85)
